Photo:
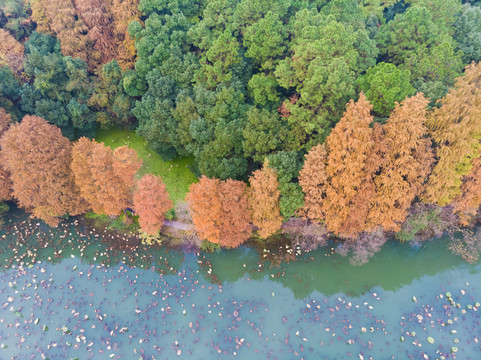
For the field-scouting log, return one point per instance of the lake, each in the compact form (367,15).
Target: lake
(64,295)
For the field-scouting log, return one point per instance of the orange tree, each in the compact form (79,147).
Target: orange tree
(220,211)
(407,163)
(151,202)
(456,130)
(105,177)
(264,197)
(38,158)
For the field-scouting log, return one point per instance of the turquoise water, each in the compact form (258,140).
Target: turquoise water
(229,305)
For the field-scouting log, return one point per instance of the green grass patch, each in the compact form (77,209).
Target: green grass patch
(175,174)
(104,221)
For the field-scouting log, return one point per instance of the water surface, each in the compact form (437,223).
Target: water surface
(66,304)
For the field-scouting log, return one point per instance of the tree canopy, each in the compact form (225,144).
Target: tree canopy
(38,158)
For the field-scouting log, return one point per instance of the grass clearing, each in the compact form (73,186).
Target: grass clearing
(175,174)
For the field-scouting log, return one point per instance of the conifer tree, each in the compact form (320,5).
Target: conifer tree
(220,211)
(456,130)
(95,16)
(467,203)
(408,162)
(38,157)
(69,28)
(124,12)
(206,208)
(105,177)
(40,17)
(81,154)
(11,52)
(126,164)
(236,218)
(313,180)
(264,197)
(5,181)
(151,202)
(349,148)
(358,218)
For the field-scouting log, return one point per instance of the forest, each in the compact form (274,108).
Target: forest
(357,119)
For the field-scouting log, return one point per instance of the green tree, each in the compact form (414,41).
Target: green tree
(215,133)
(420,41)
(468,33)
(265,41)
(14,17)
(154,112)
(263,89)
(326,56)
(10,93)
(263,133)
(287,165)
(216,65)
(60,88)
(384,84)
(109,99)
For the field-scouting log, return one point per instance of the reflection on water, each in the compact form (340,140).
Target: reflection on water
(58,301)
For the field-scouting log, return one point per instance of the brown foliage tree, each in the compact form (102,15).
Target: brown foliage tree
(456,129)
(408,162)
(313,179)
(11,52)
(467,203)
(105,178)
(220,211)
(263,196)
(349,169)
(100,32)
(81,159)
(5,121)
(151,202)
(39,16)
(123,12)
(93,30)
(69,28)
(38,158)
(5,181)
(126,165)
